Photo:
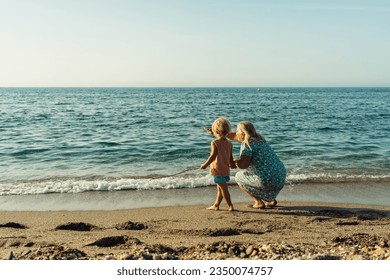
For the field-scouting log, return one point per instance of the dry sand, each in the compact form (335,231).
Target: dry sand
(289,231)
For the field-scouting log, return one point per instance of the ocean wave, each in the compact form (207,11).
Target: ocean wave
(336,178)
(84,185)
(79,185)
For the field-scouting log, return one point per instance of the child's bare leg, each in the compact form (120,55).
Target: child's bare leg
(218,200)
(226,195)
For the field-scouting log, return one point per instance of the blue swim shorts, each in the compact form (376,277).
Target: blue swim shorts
(221,179)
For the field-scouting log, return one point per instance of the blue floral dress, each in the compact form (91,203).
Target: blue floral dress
(266,174)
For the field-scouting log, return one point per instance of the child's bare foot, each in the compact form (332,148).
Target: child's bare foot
(213,207)
(231,209)
(271,203)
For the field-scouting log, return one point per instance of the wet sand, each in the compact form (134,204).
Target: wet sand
(292,230)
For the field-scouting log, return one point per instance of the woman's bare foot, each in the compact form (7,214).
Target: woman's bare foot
(213,207)
(258,205)
(231,209)
(271,203)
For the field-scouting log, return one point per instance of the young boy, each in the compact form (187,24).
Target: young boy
(220,161)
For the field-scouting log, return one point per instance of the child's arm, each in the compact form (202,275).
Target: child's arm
(232,136)
(209,130)
(231,161)
(212,157)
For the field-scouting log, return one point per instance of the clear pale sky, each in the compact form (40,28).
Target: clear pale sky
(117,43)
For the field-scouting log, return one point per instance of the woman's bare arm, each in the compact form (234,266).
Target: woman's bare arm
(243,162)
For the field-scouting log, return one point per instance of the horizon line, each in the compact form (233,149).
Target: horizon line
(195,86)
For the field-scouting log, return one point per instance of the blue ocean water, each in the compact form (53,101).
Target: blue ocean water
(74,140)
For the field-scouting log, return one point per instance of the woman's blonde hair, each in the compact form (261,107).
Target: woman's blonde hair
(250,132)
(221,127)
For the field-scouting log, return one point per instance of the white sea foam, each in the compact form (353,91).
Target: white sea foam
(336,178)
(78,186)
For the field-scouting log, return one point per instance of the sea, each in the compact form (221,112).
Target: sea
(123,148)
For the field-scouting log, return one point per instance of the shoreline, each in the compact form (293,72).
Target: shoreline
(292,230)
(356,193)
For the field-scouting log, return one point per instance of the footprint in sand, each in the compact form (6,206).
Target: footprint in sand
(370,215)
(347,223)
(13,225)
(224,232)
(112,241)
(76,227)
(129,225)
(335,213)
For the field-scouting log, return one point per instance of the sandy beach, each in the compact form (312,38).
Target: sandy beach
(293,230)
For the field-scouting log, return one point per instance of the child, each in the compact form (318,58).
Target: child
(221,159)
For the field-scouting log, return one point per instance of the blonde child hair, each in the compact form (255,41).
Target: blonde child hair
(221,127)
(250,132)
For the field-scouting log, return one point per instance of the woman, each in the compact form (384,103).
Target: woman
(264,174)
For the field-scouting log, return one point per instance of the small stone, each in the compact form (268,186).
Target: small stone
(123,257)
(29,244)
(15,244)
(378,252)
(72,256)
(165,256)
(10,256)
(249,250)
(242,255)
(25,253)
(357,257)
(365,250)
(254,253)
(147,256)
(231,251)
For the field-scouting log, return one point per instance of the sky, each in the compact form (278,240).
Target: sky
(194,43)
